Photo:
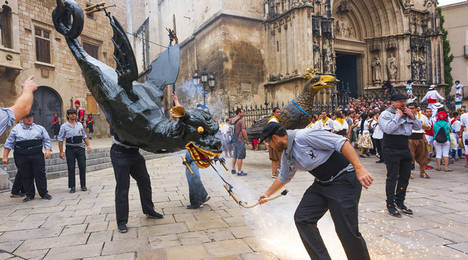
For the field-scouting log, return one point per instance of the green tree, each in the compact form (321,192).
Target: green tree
(448,58)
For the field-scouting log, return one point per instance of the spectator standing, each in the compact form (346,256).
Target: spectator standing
(55,125)
(442,130)
(417,142)
(80,112)
(340,125)
(378,138)
(238,142)
(275,155)
(464,134)
(90,125)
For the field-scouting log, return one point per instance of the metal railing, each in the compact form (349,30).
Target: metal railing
(339,97)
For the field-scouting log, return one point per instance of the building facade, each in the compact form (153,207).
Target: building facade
(456,25)
(258,50)
(30,46)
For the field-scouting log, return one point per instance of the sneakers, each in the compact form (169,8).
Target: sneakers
(241,173)
(233,171)
(47,196)
(154,214)
(122,228)
(393,211)
(404,209)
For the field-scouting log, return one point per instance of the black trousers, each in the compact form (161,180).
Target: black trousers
(398,162)
(378,144)
(128,164)
(32,168)
(18,183)
(73,153)
(342,198)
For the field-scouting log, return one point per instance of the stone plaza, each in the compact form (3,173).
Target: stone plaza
(82,225)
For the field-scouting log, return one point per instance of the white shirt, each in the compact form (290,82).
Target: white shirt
(313,125)
(464,122)
(273,119)
(424,122)
(458,89)
(224,128)
(378,134)
(326,126)
(432,94)
(456,126)
(337,126)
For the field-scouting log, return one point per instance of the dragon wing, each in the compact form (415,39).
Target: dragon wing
(165,69)
(127,69)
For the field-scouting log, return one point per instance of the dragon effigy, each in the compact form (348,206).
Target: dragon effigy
(133,109)
(298,113)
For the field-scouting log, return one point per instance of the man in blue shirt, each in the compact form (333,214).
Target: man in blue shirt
(27,140)
(339,177)
(22,106)
(75,136)
(397,123)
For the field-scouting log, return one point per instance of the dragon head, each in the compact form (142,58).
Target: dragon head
(319,82)
(200,130)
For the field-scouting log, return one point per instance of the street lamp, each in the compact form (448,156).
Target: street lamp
(206,81)
(196,78)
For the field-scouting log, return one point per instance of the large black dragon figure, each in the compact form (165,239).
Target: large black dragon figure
(133,109)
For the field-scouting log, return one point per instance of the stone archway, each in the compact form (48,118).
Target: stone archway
(46,102)
(374,32)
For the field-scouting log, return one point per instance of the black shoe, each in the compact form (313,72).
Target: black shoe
(154,214)
(379,161)
(47,196)
(393,211)
(72,190)
(207,198)
(17,195)
(122,228)
(233,171)
(404,209)
(413,167)
(28,199)
(84,188)
(193,207)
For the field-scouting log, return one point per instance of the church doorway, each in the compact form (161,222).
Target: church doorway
(46,102)
(347,72)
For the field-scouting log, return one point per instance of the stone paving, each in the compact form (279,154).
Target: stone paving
(82,225)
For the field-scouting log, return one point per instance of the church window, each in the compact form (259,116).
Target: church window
(42,45)
(5,26)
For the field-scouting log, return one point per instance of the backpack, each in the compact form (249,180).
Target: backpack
(441,136)
(231,135)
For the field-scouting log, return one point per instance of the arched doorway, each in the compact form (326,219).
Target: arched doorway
(46,102)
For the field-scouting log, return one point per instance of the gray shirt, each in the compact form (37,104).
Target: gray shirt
(7,119)
(308,149)
(22,132)
(67,131)
(391,123)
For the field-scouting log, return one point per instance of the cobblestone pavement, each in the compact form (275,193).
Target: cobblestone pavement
(82,225)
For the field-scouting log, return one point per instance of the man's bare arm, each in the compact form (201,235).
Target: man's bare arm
(24,102)
(362,174)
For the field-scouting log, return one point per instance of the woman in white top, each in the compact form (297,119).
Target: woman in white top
(364,140)
(378,137)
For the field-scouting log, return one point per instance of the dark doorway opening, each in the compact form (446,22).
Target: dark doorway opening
(346,72)
(46,102)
